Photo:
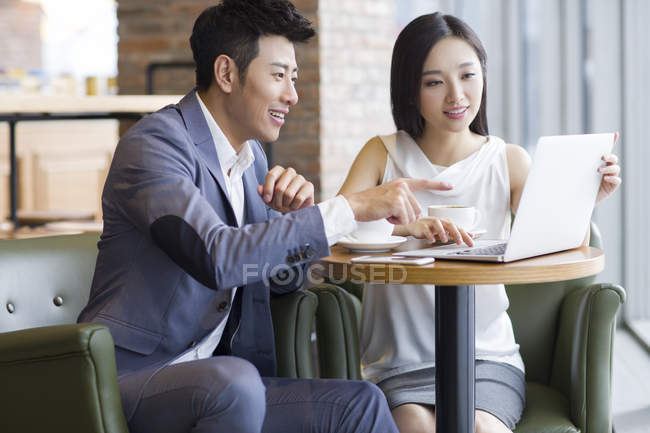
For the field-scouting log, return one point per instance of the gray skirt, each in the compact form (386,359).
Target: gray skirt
(500,390)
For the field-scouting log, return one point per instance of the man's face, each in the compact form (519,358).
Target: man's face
(261,103)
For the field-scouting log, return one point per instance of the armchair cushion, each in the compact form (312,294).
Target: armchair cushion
(293,317)
(582,367)
(52,372)
(337,327)
(547,411)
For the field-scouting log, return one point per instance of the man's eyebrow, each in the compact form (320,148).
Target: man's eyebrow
(436,71)
(284,66)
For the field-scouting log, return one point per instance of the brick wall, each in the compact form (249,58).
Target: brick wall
(342,85)
(356,40)
(20,35)
(155,31)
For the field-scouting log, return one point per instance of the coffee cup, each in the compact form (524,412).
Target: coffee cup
(372,231)
(466,217)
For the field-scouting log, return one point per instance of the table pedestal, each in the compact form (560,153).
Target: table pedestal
(455,368)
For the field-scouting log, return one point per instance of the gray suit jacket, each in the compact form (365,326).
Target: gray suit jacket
(171,247)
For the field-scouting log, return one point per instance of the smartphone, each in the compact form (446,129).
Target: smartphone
(394,260)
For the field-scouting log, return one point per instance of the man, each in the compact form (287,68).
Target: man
(188,207)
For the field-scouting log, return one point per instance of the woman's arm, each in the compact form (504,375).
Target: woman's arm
(518,166)
(367,170)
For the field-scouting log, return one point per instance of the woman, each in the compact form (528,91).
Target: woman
(438,93)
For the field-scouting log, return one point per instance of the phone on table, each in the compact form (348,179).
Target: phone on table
(394,260)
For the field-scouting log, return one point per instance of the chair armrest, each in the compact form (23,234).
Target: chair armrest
(293,318)
(337,330)
(582,365)
(60,378)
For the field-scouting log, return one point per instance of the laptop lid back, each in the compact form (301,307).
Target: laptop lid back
(559,195)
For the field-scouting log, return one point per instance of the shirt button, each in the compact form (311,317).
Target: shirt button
(223,306)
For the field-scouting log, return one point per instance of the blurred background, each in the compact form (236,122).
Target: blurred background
(554,67)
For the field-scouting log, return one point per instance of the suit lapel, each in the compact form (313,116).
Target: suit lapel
(200,133)
(198,129)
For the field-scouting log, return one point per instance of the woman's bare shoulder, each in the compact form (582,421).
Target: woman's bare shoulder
(518,164)
(375,146)
(368,167)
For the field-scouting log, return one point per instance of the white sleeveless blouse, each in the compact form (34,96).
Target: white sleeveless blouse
(398,326)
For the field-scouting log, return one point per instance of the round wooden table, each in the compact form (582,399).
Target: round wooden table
(454,309)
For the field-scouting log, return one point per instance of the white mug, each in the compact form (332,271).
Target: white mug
(372,231)
(466,217)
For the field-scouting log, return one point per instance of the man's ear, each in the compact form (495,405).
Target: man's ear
(225,73)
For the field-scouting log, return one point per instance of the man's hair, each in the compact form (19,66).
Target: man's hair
(411,50)
(234,27)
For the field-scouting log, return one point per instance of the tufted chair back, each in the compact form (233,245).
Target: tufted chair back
(45,281)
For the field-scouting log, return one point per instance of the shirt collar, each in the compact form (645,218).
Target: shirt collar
(225,152)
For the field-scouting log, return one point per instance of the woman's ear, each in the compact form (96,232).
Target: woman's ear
(225,73)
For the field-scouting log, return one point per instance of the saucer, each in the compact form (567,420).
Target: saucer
(371,247)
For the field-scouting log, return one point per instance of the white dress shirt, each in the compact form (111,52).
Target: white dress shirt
(337,215)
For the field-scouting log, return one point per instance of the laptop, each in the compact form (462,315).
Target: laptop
(555,207)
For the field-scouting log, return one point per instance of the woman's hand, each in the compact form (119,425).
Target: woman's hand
(432,228)
(610,172)
(611,179)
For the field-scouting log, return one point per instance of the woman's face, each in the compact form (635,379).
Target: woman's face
(451,86)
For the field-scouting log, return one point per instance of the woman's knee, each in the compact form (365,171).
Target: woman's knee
(485,422)
(414,418)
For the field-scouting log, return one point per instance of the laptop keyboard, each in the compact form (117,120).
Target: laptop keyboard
(492,250)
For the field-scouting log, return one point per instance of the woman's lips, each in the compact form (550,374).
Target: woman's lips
(457,113)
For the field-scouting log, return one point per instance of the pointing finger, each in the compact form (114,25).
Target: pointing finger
(424,184)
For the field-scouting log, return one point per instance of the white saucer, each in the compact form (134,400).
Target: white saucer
(372,247)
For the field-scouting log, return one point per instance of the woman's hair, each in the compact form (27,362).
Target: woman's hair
(234,28)
(411,50)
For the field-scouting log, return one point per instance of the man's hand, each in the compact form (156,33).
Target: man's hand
(285,190)
(393,200)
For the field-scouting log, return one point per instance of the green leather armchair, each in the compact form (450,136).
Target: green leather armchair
(565,331)
(59,376)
